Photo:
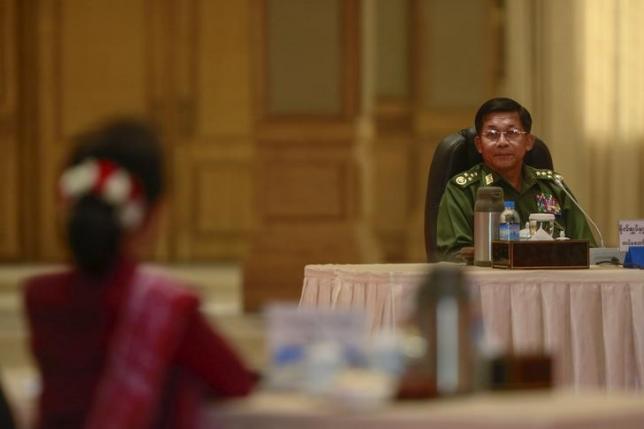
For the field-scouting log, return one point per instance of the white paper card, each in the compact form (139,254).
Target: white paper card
(290,325)
(631,233)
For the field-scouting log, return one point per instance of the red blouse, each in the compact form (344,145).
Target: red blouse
(72,318)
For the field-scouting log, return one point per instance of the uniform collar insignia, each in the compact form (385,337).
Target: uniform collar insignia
(547,175)
(488,176)
(467,177)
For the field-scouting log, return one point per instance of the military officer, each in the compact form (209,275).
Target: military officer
(503,138)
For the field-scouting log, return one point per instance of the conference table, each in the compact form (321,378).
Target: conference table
(540,410)
(590,320)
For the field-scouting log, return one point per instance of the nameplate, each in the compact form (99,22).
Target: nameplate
(292,326)
(631,233)
(551,254)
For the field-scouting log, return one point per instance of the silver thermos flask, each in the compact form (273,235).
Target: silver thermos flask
(444,318)
(487,209)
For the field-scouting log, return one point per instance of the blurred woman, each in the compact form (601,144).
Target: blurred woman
(117,346)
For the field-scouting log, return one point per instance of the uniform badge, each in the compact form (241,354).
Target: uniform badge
(547,203)
(460,180)
(489,179)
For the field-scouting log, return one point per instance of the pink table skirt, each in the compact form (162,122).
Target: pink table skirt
(592,321)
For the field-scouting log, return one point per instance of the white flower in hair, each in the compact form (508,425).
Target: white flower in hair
(131,214)
(117,187)
(79,179)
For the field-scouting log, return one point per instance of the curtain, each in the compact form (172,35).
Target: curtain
(613,108)
(578,65)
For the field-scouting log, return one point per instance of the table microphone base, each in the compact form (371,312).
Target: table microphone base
(606,255)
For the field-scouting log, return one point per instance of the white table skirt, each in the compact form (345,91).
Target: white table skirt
(592,321)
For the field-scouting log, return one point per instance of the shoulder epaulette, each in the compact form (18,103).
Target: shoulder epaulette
(467,178)
(545,174)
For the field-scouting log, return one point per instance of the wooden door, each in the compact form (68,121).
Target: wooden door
(185,65)
(213,153)
(311,142)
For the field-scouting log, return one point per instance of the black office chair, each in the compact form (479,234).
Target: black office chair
(456,153)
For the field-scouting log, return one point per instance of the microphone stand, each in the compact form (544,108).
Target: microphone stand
(563,187)
(597,255)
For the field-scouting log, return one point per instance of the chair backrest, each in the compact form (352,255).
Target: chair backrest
(457,153)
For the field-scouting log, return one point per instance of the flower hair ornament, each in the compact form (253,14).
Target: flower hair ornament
(108,181)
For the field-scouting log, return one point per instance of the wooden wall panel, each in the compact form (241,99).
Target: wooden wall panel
(306,190)
(210,70)
(308,61)
(9,190)
(224,193)
(391,193)
(394,101)
(213,157)
(94,62)
(7,52)
(223,68)
(103,61)
(304,57)
(259,101)
(458,72)
(392,43)
(214,192)
(309,143)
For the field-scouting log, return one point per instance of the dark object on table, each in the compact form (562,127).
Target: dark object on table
(541,254)
(415,384)
(521,372)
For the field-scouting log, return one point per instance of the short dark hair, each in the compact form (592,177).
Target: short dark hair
(502,104)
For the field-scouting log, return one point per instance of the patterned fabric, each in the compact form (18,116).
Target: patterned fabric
(76,321)
(145,340)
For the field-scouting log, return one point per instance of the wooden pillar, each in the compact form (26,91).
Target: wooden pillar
(310,145)
(457,65)
(394,101)
(10,198)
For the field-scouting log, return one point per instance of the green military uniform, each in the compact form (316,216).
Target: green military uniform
(539,194)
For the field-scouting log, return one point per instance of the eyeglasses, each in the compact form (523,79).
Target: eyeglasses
(512,135)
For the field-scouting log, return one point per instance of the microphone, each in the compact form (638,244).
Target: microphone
(559,182)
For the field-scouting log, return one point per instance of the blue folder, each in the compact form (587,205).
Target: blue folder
(634,257)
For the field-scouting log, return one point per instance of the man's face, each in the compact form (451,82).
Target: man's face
(503,142)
